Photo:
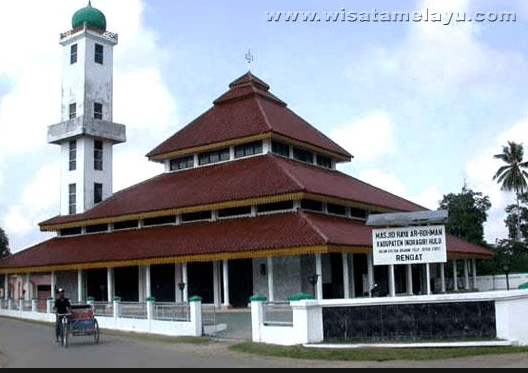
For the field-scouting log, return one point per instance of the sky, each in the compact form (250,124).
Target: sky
(422,104)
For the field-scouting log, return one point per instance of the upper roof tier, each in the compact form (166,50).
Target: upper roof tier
(91,16)
(246,110)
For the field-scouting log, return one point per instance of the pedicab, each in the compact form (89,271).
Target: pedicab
(80,322)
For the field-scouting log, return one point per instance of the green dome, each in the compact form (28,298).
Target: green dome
(93,17)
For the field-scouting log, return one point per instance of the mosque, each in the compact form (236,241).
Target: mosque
(250,202)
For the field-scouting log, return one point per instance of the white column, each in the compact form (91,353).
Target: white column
(319,271)
(186,282)
(225,269)
(53,285)
(148,291)
(271,292)
(217,291)
(352,275)
(141,284)
(409,279)
(466,274)
(442,276)
(370,273)
(6,286)
(455,282)
(474,272)
(110,283)
(346,279)
(79,285)
(27,295)
(392,286)
(428,278)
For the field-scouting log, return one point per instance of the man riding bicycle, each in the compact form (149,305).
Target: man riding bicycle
(62,306)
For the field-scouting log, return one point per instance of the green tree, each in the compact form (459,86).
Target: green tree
(512,176)
(467,214)
(4,244)
(518,218)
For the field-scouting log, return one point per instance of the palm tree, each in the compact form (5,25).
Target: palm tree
(512,176)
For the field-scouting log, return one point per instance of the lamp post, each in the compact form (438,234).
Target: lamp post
(313,280)
(506,269)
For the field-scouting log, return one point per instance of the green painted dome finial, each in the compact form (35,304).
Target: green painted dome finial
(91,16)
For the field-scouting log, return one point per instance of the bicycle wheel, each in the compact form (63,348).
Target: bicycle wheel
(96,331)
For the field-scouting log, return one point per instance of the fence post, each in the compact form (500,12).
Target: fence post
(21,305)
(307,321)
(49,306)
(150,307)
(34,305)
(10,304)
(195,305)
(116,302)
(257,316)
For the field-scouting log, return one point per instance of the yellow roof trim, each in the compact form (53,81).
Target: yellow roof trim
(247,254)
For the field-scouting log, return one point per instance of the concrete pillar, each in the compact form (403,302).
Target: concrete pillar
(79,285)
(455,281)
(271,292)
(148,290)
(195,309)
(466,274)
(428,279)
(6,286)
(392,285)
(442,277)
(217,289)
(257,319)
(186,282)
(346,278)
(352,275)
(110,283)
(319,271)
(27,296)
(409,282)
(53,285)
(225,269)
(474,272)
(370,273)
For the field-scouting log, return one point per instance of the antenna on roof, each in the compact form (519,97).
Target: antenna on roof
(249,58)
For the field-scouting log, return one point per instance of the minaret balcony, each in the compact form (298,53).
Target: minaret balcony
(83,126)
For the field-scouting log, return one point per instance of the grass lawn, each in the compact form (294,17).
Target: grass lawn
(371,354)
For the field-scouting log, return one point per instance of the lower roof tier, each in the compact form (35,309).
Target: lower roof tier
(280,234)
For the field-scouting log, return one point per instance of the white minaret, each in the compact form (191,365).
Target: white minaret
(86,133)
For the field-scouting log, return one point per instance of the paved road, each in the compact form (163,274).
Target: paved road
(30,345)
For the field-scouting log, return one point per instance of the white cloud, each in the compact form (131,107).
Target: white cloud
(367,138)
(387,182)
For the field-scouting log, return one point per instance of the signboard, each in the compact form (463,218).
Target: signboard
(409,245)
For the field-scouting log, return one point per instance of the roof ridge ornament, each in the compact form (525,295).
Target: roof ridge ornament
(249,58)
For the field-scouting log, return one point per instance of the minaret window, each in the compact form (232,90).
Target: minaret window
(73,155)
(73,111)
(73,54)
(98,155)
(99,53)
(98,110)
(98,192)
(248,149)
(72,198)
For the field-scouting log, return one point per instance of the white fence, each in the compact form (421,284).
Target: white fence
(498,282)
(176,319)
(511,308)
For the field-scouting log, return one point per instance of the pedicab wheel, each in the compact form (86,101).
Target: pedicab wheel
(96,331)
(65,335)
